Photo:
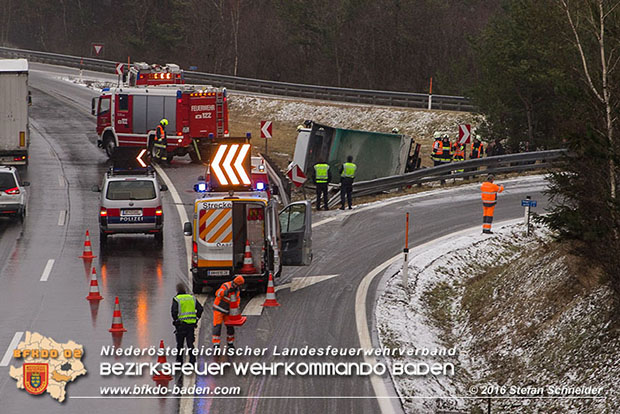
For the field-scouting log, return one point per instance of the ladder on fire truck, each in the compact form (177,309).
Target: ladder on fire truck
(219,113)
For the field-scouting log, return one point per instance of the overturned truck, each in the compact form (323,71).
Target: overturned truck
(376,154)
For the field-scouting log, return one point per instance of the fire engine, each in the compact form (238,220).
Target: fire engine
(128,116)
(143,74)
(237,226)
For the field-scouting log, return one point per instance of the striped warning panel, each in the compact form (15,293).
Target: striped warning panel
(216,225)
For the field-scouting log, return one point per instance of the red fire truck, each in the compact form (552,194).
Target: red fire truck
(127,117)
(143,74)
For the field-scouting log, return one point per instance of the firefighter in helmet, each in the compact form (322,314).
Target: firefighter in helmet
(161,141)
(437,153)
(221,310)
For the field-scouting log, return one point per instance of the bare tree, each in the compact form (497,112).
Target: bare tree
(598,70)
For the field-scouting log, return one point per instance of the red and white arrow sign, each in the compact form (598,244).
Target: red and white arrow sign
(119,68)
(139,158)
(464,133)
(265,129)
(296,175)
(232,158)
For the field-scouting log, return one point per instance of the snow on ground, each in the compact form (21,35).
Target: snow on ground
(415,122)
(517,315)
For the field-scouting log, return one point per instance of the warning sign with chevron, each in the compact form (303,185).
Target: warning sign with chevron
(230,167)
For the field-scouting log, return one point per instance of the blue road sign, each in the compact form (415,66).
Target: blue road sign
(526,203)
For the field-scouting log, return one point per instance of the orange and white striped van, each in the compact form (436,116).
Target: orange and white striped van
(245,233)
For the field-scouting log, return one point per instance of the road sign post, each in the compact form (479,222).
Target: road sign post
(265,131)
(405,271)
(528,203)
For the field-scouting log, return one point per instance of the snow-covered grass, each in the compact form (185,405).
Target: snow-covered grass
(520,311)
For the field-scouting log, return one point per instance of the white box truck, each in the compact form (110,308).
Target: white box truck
(14,103)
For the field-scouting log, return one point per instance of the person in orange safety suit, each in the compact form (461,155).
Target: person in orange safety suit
(489,199)
(221,309)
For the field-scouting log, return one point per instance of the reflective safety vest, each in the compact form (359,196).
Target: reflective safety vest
(437,150)
(459,153)
(348,170)
(160,137)
(223,297)
(476,151)
(187,308)
(320,173)
(489,193)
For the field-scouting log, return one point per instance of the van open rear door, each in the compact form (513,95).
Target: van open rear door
(296,232)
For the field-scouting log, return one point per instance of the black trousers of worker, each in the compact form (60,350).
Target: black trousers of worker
(321,189)
(346,191)
(185,334)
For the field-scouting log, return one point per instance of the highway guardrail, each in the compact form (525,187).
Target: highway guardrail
(327,93)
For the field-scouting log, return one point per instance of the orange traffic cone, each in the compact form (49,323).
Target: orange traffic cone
(93,294)
(270,300)
(234,317)
(161,359)
(248,266)
(88,250)
(117,319)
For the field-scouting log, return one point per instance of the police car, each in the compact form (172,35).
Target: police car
(131,202)
(12,193)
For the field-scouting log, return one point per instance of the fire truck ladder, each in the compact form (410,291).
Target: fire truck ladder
(219,114)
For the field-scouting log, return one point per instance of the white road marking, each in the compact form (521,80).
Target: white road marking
(61,181)
(255,305)
(61,217)
(187,405)
(47,270)
(361,296)
(9,352)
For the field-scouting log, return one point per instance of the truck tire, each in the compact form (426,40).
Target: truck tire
(109,145)
(194,157)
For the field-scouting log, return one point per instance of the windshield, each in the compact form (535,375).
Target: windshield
(131,190)
(7,181)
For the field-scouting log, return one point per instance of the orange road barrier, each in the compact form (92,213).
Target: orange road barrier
(117,319)
(161,359)
(93,294)
(234,317)
(248,266)
(88,250)
(270,300)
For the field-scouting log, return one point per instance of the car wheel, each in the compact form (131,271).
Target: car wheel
(22,214)
(194,157)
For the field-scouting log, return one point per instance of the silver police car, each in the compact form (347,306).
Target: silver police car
(131,203)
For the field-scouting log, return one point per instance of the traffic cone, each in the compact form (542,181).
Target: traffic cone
(93,294)
(88,250)
(117,319)
(234,317)
(248,266)
(270,300)
(161,359)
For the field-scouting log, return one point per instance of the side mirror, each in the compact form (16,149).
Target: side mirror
(95,189)
(26,184)
(187,228)
(163,187)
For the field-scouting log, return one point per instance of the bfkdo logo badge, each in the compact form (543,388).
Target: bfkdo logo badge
(35,378)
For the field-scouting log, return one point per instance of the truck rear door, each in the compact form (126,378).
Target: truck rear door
(214,233)
(296,228)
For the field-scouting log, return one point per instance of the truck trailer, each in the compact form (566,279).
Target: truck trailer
(14,104)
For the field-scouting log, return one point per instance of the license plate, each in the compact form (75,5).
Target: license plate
(218,272)
(131,212)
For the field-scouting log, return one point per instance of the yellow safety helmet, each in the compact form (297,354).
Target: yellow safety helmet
(164,122)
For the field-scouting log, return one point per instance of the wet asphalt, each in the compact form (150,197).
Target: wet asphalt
(65,163)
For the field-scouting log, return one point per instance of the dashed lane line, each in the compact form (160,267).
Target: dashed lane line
(62,217)
(47,270)
(9,351)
